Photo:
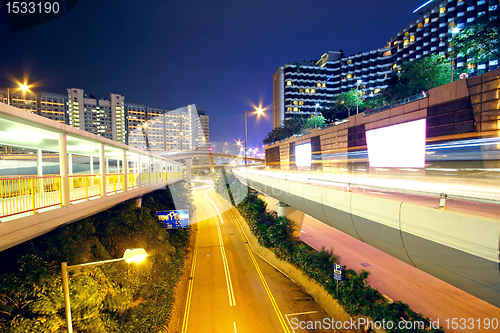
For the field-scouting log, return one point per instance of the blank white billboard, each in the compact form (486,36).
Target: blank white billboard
(303,155)
(397,146)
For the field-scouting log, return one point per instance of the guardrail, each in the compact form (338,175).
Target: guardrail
(28,193)
(22,194)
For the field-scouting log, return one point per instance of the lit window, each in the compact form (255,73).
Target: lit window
(289,108)
(412,38)
(301,103)
(426,20)
(406,42)
(323,84)
(301,90)
(420,25)
(349,61)
(318,85)
(307,90)
(295,109)
(376,91)
(288,83)
(349,76)
(442,10)
(295,102)
(313,91)
(407,34)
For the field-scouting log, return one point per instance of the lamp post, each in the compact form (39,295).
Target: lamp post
(358,82)
(258,111)
(129,256)
(24,87)
(452,58)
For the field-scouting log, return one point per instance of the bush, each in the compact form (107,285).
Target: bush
(109,298)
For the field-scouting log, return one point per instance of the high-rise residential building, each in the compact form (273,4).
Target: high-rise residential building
(104,117)
(49,105)
(205,129)
(300,89)
(158,129)
(140,126)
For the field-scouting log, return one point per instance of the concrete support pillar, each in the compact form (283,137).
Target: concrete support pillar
(188,168)
(292,214)
(125,170)
(102,169)
(139,170)
(149,170)
(39,170)
(63,165)
(70,170)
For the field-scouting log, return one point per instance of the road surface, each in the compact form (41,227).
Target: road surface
(233,290)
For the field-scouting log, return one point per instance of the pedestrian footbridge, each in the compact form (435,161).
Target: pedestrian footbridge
(52,174)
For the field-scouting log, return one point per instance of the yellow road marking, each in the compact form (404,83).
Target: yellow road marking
(229,284)
(190,285)
(259,272)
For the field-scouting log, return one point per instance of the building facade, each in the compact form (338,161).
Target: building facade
(104,117)
(300,89)
(158,129)
(49,105)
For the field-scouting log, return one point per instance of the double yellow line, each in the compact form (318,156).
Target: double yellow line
(229,284)
(190,286)
(262,278)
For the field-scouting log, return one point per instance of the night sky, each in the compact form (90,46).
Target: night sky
(219,55)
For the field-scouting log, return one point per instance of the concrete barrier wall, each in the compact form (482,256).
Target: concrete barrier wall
(458,248)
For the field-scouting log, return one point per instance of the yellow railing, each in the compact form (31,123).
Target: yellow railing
(22,194)
(28,193)
(84,187)
(132,180)
(114,182)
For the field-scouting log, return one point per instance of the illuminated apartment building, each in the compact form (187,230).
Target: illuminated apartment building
(158,129)
(49,105)
(104,117)
(299,89)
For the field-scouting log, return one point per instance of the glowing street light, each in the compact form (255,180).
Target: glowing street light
(130,255)
(259,111)
(22,86)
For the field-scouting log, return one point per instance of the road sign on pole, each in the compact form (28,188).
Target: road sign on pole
(337,274)
(173,219)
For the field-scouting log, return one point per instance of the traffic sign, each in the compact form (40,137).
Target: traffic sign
(337,268)
(337,277)
(173,219)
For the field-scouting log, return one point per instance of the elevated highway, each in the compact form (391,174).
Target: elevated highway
(458,245)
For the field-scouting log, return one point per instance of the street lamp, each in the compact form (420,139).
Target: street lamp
(130,255)
(358,82)
(22,86)
(454,31)
(259,111)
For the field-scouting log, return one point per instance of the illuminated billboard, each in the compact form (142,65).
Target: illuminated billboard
(303,155)
(397,146)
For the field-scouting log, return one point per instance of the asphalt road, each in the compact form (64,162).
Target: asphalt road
(233,290)
(399,281)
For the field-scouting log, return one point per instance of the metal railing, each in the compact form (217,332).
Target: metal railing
(84,187)
(28,194)
(22,194)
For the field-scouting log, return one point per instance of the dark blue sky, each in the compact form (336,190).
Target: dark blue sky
(219,55)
